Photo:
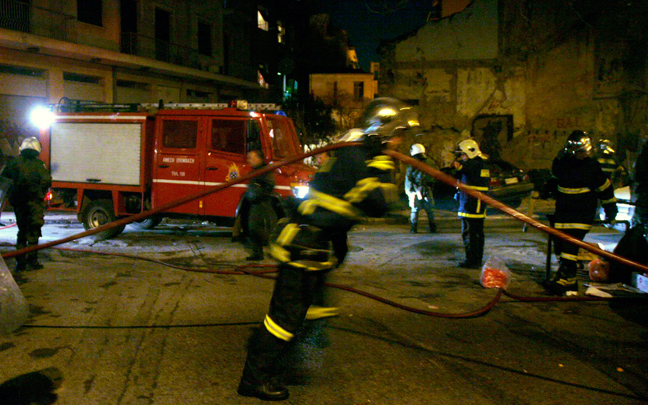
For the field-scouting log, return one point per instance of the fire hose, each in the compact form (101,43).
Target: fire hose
(406,159)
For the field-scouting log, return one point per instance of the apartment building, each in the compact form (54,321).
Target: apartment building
(115,51)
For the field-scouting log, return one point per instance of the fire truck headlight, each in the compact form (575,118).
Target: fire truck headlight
(300,191)
(42,117)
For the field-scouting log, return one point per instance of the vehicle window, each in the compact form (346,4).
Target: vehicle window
(179,134)
(282,141)
(228,136)
(253,135)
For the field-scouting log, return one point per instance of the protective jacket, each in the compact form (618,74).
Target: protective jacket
(418,183)
(261,187)
(30,180)
(354,182)
(475,175)
(580,184)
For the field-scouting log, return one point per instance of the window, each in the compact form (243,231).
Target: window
(179,134)
(90,11)
(22,71)
(204,38)
(281,32)
(282,143)
(358,91)
(228,136)
(262,22)
(253,136)
(77,77)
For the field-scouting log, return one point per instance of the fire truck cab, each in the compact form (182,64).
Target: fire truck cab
(107,164)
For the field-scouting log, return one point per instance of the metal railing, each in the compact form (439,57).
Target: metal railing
(154,48)
(17,15)
(21,16)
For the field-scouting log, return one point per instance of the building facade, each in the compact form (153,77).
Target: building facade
(127,51)
(346,93)
(520,76)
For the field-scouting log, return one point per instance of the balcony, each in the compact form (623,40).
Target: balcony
(149,47)
(21,16)
(17,15)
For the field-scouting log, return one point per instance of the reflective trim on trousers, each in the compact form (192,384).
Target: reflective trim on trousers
(585,227)
(277,330)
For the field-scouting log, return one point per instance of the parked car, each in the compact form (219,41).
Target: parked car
(509,185)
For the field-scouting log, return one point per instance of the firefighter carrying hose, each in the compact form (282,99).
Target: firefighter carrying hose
(471,170)
(354,182)
(580,183)
(30,182)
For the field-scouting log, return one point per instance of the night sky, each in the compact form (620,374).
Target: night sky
(366,29)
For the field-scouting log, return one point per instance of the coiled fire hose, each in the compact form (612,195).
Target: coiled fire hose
(399,156)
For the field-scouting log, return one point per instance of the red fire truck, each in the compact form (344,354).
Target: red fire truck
(110,161)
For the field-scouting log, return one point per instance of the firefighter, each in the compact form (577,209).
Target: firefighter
(419,191)
(640,188)
(580,184)
(261,216)
(471,170)
(353,183)
(30,182)
(605,155)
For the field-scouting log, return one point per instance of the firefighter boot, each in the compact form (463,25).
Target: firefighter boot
(21,261)
(267,391)
(32,259)
(259,372)
(564,282)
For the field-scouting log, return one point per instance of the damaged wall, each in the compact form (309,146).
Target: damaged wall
(455,70)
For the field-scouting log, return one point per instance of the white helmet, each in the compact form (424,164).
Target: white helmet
(416,149)
(470,148)
(31,143)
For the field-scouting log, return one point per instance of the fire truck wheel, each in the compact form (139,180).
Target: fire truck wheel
(148,223)
(100,212)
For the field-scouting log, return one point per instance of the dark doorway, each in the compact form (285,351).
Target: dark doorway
(162,35)
(491,131)
(128,14)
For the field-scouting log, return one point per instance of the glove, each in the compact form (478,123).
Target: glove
(610,211)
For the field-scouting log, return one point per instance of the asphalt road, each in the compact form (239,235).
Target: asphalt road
(121,330)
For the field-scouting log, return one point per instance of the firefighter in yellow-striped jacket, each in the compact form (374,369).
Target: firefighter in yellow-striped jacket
(580,184)
(355,182)
(615,171)
(471,170)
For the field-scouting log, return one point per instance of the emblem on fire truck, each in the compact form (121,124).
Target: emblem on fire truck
(233,172)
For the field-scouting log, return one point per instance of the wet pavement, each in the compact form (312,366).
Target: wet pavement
(131,330)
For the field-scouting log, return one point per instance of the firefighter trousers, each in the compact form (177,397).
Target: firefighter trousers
(30,218)
(416,206)
(294,292)
(472,233)
(568,252)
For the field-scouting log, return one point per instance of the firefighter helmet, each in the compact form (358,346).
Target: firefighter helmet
(31,143)
(417,149)
(578,141)
(470,148)
(604,145)
(385,116)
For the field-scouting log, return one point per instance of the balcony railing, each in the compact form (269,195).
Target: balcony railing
(154,48)
(21,16)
